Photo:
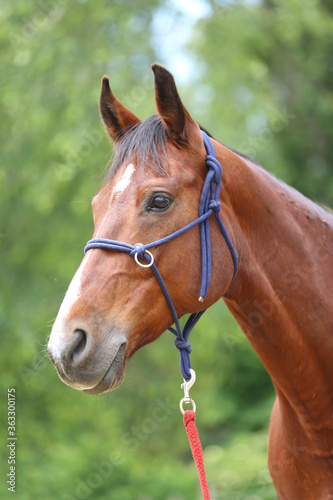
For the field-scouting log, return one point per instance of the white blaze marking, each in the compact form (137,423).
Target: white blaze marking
(124,181)
(74,290)
(72,295)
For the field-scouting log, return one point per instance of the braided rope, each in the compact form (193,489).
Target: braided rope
(196,448)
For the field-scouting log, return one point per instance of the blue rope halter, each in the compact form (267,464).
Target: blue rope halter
(209,204)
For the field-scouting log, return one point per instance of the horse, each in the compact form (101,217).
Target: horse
(281,296)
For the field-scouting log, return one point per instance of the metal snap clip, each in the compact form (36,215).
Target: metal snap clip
(187,386)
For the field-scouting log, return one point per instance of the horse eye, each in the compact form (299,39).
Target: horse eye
(160,202)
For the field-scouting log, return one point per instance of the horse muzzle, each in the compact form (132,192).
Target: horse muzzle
(86,361)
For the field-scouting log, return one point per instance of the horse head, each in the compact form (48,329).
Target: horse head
(114,306)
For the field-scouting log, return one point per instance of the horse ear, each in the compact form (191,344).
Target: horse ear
(117,118)
(173,113)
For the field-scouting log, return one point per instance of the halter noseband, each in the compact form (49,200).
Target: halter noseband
(209,204)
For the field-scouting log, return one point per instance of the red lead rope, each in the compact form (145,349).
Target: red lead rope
(193,436)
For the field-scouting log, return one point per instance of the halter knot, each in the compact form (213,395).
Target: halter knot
(214,165)
(138,249)
(182,345)
(214,205)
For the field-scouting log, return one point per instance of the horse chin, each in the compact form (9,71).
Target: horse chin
(104,381)
(114,375)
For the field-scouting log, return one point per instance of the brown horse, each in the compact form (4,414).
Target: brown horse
(282,295)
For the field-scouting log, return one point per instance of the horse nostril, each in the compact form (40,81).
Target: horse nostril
(79,345)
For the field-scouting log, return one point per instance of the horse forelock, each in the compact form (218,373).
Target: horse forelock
(145,142)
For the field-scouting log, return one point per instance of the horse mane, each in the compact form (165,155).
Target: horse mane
(242,155)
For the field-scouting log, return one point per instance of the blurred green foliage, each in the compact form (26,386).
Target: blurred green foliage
(261,81)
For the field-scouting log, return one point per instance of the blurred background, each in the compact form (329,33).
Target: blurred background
(258,75)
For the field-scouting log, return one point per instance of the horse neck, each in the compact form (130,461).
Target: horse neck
(282,295)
